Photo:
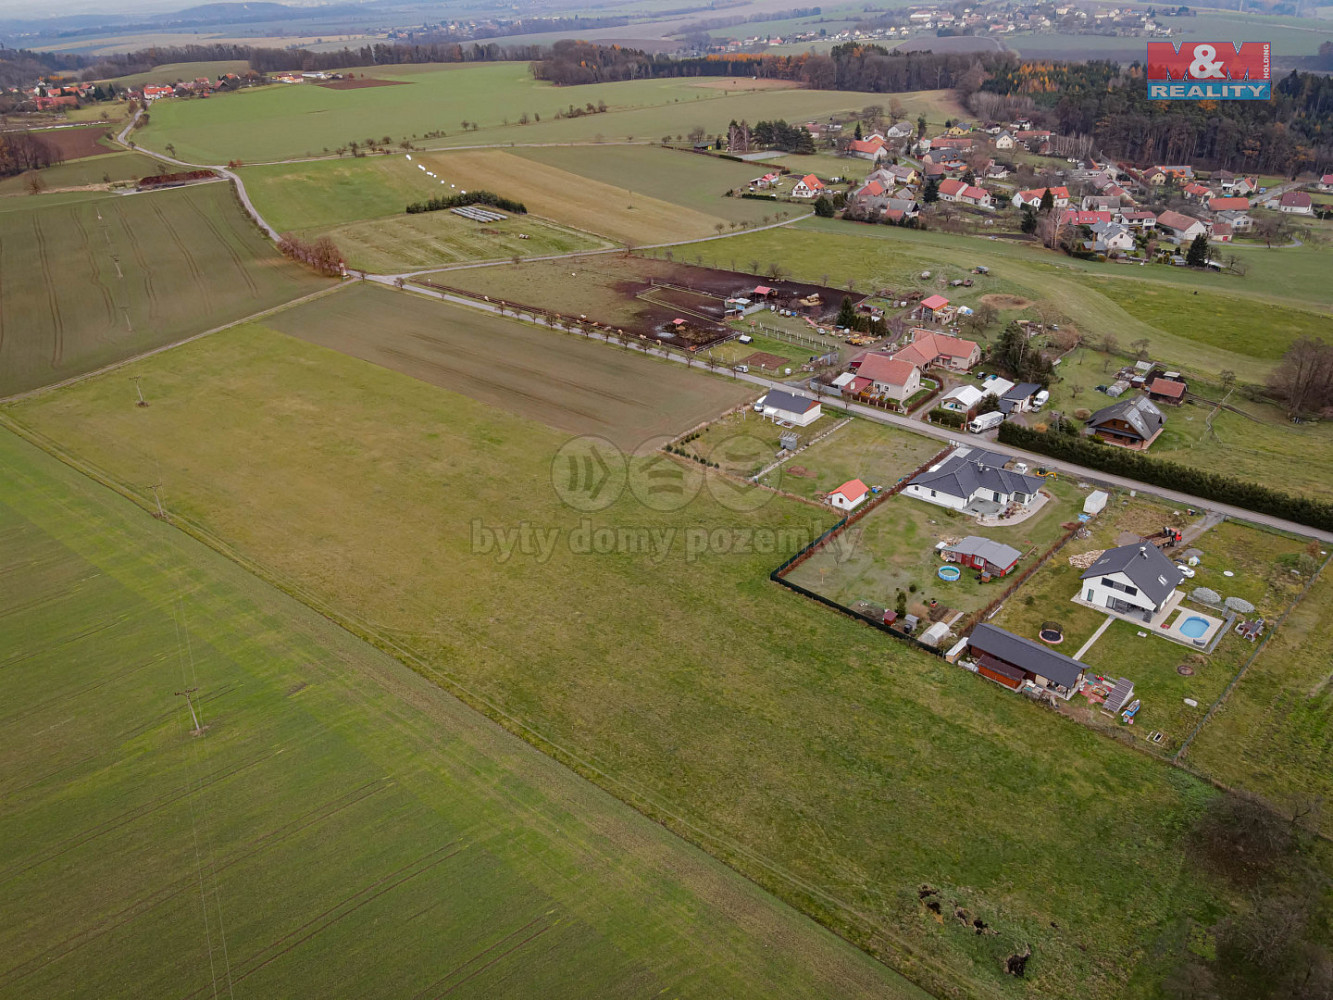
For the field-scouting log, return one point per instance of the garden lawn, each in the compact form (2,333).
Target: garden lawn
(820,758)
(341,825)
(877,454)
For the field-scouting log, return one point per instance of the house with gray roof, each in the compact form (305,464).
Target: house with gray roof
(984,554)
(1135,581)
(1012,660)
(974,481)
(787,407)
(1130,423)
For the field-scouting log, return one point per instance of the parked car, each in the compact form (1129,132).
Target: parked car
(759,404)
(746,368)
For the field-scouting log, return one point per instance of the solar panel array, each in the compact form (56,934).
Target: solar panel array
(478,214)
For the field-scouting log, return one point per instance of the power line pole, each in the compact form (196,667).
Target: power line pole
(135,379)
(160,514)
(186,695)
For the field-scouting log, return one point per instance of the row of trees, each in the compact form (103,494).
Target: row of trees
(22,151)
(322,254)
(468,198)
(1091,452)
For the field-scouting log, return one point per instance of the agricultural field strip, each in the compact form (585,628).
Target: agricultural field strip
(931,430)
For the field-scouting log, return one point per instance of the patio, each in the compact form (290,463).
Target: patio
(1157,624)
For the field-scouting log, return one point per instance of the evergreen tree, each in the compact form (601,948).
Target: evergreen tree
(824,207)
(931,194)
(1198,252)
(1029,223)
(859,135)
(1047,200)
(920,125)
(846,313)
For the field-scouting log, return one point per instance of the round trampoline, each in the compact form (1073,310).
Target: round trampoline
(949,574)
(1051,633)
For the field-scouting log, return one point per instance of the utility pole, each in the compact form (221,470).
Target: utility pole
(135,379)
(186,695)
(160,514)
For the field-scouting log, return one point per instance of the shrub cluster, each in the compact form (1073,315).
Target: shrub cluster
(180,177)
(470,198)
(947,418)
(1317,513)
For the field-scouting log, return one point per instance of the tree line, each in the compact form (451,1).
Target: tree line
(1094,454)
(322,254)
(851,66)
(1291,133)
(22,151)
(468,198)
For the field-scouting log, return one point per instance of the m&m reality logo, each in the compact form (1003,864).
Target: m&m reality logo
(1209,71)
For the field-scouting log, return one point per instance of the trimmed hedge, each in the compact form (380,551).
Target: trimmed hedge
(470,198)
(181,177)
(1172,475)
(946,418)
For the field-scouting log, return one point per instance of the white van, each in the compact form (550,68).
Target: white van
(1040,400)
(759,404)
(985,422)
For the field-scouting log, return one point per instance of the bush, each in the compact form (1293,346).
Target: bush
(947,418)
(158,180)
(470,198)
(1317,513)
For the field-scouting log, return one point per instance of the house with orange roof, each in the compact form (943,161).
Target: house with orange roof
(849,494)
(893,377)
(930,348)
(808,186)
(867,150)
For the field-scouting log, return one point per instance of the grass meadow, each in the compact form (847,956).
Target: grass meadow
(824,761)
(1182,329)
(90,170)
(95,279)
(341,825)
(589,196)
(275,123)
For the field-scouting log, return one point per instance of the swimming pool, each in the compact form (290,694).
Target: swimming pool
(1194,627)
(949,573)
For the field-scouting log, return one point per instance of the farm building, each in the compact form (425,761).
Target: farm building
(1131,423)
(933,307)
(1132,580)
(849,495)
(1166,390)
(989,556)
(801,411)
(1012,660)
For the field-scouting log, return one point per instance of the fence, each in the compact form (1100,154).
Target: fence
(778,575)
(792,337)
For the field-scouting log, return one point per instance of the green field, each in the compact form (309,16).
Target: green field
(89,170)
(175,72)
(821,759)
(876,454)
(340,826)
(89,280)
(271,123)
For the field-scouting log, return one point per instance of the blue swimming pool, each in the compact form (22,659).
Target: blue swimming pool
(1194,627)
(950,573)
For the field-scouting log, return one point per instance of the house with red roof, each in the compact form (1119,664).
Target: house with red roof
(152,93)
(1221,232)
(934,308)
(849,494)
(893,377)
(1165,390)
(1181,228)
(1293,203)
(871,197)
(1197,192)
(930,348)
(1073,217)
(1032,198)
(808,186)
(1326,182)
(968,194)
(1138,220)
(1229,204)
(867,149)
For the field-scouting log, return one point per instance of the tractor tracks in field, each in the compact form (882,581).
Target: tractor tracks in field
(108,304)
(227,248)
(53,300)
(192,265)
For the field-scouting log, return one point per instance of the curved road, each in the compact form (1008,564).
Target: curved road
(948,435)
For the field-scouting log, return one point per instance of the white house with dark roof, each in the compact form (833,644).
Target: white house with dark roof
(975,481)
(1134,581)
(800,411)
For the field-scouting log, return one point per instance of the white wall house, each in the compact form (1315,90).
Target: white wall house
(800,411)
(1132,580)
(849,495)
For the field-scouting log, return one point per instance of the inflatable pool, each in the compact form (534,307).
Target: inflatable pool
(949,573)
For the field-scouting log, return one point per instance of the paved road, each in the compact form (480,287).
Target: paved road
(943,434)
(893,419)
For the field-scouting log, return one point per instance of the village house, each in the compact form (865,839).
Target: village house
(1197,192)
(1073,217)
(766,182)
(1032,198)
(934,308)
(782,406)
(1108,236)
(1157,176)
(962,399)
(893,377)
(1100,203)
(957,191)
(1229,205)
(1004,141)
(1292,203)
(871,197)
(808,186)
(849,495)
(1019,398)
(974,481)
(991,557)
(1013,661)
(1179,228)
(900,130)
(1235,184)
(929,348)
(1220,232)
(1138,220)
(1326,182)
(867,150)
(1133,581)
(1130,423)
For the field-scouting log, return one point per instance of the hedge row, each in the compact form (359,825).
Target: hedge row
(1171,475)
(177,178)
(468,198)
(946,418)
